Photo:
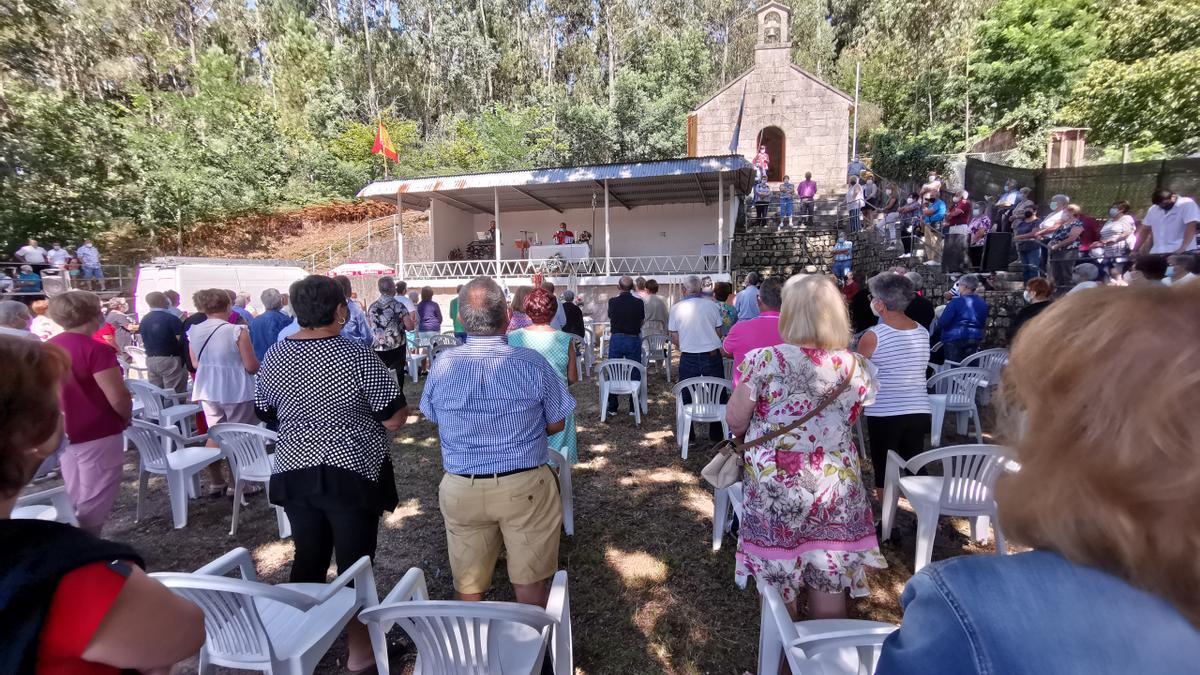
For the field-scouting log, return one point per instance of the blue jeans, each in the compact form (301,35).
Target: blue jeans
(1031,263)
(840,268)
(957,351)
(855,222)
(624,347)
(702,365)
(785,208)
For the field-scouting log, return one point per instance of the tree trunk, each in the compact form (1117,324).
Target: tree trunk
(372,98)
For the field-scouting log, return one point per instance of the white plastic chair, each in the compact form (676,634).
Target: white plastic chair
(991,360)
(817,647)
(579,350)
(958,387)
(245,446)
(163,451)
(589,354)
(438,349)
(725,500)
(706,406)
(162,407)
(966,488)
(137,368)
(286,628)
(444,339)
(476,638)
(53,504)
(657,349)
(616,377)
(565,490)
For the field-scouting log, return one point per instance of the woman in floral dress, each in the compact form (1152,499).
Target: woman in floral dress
(806,521)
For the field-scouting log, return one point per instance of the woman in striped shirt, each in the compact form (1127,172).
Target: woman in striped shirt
(898,347)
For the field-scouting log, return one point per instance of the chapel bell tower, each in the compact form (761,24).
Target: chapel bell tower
(774,42)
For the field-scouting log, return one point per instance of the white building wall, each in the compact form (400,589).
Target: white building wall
(667,229)
(452,227)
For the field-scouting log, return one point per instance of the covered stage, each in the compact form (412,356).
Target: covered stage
(664,219)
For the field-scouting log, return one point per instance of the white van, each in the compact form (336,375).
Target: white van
(188,275)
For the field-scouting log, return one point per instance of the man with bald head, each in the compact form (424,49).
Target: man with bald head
(626,313)
(495,405)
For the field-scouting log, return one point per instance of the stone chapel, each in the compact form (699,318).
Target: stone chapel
(803,121)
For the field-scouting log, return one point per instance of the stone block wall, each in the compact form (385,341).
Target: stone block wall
(871,256)
(782,253)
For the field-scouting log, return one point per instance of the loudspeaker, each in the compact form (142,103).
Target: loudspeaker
(998,251)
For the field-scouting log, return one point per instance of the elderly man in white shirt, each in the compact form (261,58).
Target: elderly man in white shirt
(32,254)
(694,323)
(14,319)
(1169,226)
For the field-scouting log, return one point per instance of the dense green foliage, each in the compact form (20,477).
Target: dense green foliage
(159,114)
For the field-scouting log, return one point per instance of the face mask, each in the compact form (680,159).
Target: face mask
(873,310)
(975,212)
(1112,213)
(889,191)
(932,178)
(910,200)
(1170,271)
(1166,206)
(1028,296)
(1053,206)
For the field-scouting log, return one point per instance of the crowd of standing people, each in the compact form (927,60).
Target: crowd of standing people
(326,373)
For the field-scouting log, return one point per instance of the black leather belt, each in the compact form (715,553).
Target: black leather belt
(501,474)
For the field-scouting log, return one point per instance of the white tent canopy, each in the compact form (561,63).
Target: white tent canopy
(361,269)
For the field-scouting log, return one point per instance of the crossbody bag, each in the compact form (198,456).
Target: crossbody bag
(725,468)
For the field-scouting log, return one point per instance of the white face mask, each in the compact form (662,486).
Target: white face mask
(1028,296)
(932,177)
(910,200)
(873,310)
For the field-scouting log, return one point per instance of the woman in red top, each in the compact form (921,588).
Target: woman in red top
(70,603)
(98,408)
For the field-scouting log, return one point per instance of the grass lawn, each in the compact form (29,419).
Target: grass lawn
(648,594)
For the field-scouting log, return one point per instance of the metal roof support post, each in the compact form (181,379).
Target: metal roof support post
(607,248)
(720,221)
(400,235)
(496,212)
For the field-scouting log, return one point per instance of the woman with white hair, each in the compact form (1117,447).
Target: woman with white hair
(898,347)
(806,520)
(963,321)
(116,315)
(1084,276)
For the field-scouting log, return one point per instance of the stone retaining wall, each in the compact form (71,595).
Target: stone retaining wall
(785,253)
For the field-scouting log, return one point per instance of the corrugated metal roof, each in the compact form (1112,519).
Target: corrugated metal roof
(569,186)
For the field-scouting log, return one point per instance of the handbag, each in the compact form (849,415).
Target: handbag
(725,468)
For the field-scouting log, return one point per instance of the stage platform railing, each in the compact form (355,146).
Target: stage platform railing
(558,267)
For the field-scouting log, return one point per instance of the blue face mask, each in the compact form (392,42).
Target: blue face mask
(1170,271)
(1053,206)
(1112,213)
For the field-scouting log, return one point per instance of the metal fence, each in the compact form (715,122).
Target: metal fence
(1092,187)
(558,267)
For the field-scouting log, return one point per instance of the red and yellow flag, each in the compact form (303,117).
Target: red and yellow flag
(383,144)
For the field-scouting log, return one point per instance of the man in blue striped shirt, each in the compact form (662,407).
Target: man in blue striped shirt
(495,406)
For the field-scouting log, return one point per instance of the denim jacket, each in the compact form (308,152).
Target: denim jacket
(1034,613)
(964,319)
